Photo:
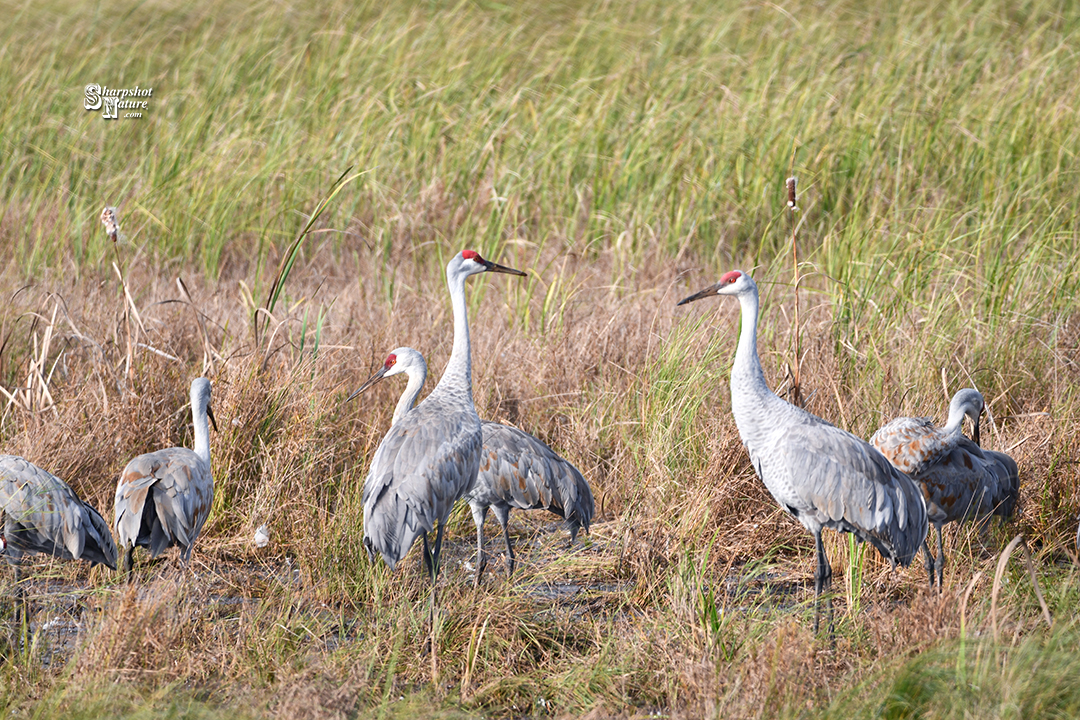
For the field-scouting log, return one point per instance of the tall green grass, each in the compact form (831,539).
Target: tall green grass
(923,132)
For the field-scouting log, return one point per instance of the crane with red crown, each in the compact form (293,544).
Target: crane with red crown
(431,457)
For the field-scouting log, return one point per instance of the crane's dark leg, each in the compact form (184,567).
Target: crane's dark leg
(822,581)
(129,563)
(929,562)
(427,563)
(436,553)
(22,611)
(939,563)
(185,562)
(479,514)
(502,514)
(573,526)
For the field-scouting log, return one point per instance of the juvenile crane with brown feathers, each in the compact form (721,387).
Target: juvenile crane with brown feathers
(959,480)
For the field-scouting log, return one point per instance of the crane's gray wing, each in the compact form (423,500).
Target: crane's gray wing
(846,484)
(42,514)
(181,488)
(424,464)
(524,472)
(955,486)
(99,546)
(969,482)
(912,444)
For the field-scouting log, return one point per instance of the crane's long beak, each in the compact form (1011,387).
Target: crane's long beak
(369,382)
(707,292)
(495,267)
(210,414)
(975,433)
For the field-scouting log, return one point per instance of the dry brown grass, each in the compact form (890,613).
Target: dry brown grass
(309,629)
(624,155)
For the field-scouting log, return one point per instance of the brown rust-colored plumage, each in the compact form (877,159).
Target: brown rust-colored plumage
(164,498)
(913,444)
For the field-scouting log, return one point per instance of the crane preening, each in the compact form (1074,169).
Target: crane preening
(42,514)
(958,479)
(516,469)
(163,498)
(913,444)
(430,456)
(820,474)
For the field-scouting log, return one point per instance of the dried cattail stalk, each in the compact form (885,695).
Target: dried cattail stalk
(796,379)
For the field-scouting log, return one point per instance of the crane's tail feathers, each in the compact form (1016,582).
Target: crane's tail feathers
(585,507)
(903,531)
(898,540)
(392,532)
(98,546)
(130,507)
(1006,480)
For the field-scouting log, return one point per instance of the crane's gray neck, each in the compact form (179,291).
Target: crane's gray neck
(202,428)
(955,421)
(756,408)
(967,402)
(458,373)
(746,373)
(417,376)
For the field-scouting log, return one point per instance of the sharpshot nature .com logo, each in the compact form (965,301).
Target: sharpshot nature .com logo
(117,102)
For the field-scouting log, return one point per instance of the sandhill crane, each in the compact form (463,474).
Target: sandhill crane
(164,497)
(912,444)
(42,514)
(516,469)
(430,456)
(822,475)
(958,479)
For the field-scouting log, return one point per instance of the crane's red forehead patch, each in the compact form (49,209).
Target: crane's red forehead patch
(390,360)
(470,254)
(730,277)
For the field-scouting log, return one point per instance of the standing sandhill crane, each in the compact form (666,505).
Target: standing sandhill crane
(516,469)
(164,497)
(430,456)
(958,479)
(42,514)
(822,475)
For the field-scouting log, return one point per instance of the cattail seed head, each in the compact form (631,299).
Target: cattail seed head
(109,220)
(791,181)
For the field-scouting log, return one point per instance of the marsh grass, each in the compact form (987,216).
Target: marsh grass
(623,156)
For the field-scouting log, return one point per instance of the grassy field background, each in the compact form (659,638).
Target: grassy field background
(624,155)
